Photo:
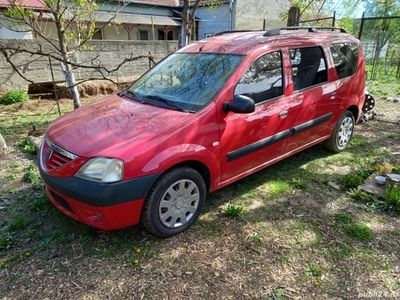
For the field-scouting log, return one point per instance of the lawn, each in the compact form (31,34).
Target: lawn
(299,229)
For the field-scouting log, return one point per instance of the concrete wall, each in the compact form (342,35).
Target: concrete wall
(213,19)
(6,33)
(251,13)
(111,53)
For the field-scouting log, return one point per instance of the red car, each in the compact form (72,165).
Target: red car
(208,115)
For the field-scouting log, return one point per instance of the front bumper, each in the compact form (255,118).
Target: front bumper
(105,206)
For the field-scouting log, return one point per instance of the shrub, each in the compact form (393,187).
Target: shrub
(13,97)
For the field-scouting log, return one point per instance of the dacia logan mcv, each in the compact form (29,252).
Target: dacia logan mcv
(208,115)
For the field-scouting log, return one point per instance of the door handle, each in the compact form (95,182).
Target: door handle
(332,96)
(283,113)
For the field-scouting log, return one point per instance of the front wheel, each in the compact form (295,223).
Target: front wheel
(175,202)
(342,133)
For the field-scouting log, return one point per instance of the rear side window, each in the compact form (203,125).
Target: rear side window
(345,58)
(308,67)
(263,79)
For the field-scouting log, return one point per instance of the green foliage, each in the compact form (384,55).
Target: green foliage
(354,179)
(299,183)
(343,218)
(18,223)
(13,97)
(360,232)
(314,271)
(27,146)
(392,196)
(233,211)
(32,176)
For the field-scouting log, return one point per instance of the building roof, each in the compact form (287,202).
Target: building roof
(33,4)
(171,3)
(120,18)
(247,42)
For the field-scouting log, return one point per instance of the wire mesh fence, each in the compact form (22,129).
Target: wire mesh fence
(380,38)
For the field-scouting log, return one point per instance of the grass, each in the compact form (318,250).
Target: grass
(392,196)
(233,211)
(281,233)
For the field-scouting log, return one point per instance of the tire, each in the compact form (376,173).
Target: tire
(342,133)
(178,195)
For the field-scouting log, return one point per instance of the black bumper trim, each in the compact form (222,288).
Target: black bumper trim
(100,194)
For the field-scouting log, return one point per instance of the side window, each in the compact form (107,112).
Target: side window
(308,67)
(345,58)
(263,80)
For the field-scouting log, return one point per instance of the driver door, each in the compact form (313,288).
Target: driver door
(251,140)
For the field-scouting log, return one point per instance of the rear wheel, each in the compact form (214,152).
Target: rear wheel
(175,202)
(342,133)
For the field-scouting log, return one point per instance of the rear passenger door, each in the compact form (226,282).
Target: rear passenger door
(312,96)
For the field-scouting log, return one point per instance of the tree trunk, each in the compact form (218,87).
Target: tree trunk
(71,84)
(183,38)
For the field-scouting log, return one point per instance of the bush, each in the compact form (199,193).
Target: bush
(13,97)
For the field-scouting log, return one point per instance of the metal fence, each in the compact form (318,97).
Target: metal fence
(380,37)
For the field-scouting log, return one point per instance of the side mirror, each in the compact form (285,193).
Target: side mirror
(240,104)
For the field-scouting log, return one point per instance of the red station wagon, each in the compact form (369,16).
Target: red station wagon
(208,115)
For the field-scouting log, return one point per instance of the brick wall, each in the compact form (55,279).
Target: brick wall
(111,53)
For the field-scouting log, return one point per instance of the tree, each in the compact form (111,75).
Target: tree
(188,19)
(75,23)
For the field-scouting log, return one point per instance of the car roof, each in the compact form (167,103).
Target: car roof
(246,42)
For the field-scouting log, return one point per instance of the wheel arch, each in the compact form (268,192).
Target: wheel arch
(196,165)
(355,111)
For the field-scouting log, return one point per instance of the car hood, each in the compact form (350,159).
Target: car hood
(102,128)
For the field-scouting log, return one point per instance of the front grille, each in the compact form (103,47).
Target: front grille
(60,200)
(53,157)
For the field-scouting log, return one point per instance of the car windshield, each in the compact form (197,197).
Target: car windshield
(185,81)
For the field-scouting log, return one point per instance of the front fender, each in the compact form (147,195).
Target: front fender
(179,154)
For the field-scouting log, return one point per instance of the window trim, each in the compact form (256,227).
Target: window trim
(333,62)
(283,76)
(326,65)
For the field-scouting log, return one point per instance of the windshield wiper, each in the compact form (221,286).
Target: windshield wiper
(168,102)
(131,95)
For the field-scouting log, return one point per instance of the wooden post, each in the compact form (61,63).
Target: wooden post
(361,26)
(264,24)
(334,18)
(293,16)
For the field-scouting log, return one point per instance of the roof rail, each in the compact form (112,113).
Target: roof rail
(277,31)
(232,31)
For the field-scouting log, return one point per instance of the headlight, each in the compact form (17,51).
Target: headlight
(101,169)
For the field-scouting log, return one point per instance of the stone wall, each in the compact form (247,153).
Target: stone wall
(110,53)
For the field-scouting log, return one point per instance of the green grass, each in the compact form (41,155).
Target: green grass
(360,232)
(392,196)
(354,179)
(233,211)
(19,222)
(314,270)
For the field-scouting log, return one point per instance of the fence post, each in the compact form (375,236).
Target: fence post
(361,26)
(334,18)
(293,16)
(264,24)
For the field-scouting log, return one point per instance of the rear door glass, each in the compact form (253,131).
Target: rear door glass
(345,58)
(308,67)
